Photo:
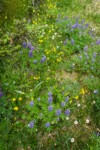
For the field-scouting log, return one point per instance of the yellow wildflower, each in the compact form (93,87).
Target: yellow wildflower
(58,59)
(47,52)
(76,97)
(15,108)
(40,41)
(82,91)
(36,78)
(20,98)
(54,50)
(14,99)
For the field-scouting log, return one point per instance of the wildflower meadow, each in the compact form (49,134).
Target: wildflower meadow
(50,75)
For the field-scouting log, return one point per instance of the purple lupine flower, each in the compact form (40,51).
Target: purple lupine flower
(38,99)
(79,25)
(49,93)
(24,44)
(72,42)
(98,42)
(50,108)
(95,91)
(86,48)
(41,114)
(47,124)
(67,111)
(93,60)
(94,54)
(30,53)
(50,98)
(58,112)
(32,48)
(31,124)
(1,94)
(82,21)
(97,134)
(75,25)
(65,42)
(80,57)
(43,59)
(63,104)
(86,54)
(86,25)
(31,103)
(29,45)
(35,61)
(67,98)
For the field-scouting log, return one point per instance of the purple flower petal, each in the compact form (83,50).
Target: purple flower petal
(47,124)
(67,112)
(58,112)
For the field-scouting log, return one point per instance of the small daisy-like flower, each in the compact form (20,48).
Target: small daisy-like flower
(75,122)
(87,121)
(72,140)
(95,91)
(15,108)
(78,105)
(94,102)
(67,118)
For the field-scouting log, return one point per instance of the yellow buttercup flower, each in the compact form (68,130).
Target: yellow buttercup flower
(20,98)
(76,97)
(58,59)
(82,91)
(14,99)
(15,108)
(40,41)
(36,78)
